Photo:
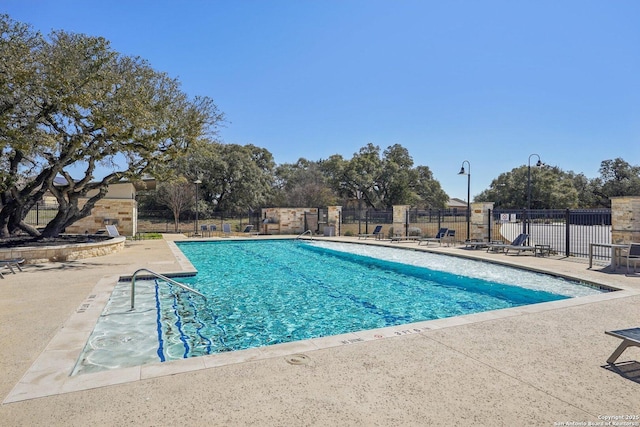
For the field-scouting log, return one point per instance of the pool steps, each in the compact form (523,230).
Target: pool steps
(161,277)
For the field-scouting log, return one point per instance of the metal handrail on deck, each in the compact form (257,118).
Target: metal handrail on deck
(305,232)
(161,277)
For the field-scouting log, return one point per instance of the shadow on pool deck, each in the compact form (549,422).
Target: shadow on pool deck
(539,365)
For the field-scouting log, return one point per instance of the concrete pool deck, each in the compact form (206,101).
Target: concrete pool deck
(535,365)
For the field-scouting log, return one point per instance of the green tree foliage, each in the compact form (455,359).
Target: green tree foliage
(553,188)
(550,187)
(235,178)
(302,184)
(70,101)
(382,181)
(617,178)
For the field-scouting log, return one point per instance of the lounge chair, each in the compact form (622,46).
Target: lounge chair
(629,337)
(633,256)
(112,230)
(226,230)
(377,233)
(520,247)
(450,238)
(400,238)
(10,264)
(475,244)
(204,229)
(442,233)
(501,247)
(249,230)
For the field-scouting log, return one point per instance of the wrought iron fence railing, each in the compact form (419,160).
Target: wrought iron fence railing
(567,231)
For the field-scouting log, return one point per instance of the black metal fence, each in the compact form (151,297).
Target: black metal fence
(162,221)
(353,216)
(568,232)
(41,214)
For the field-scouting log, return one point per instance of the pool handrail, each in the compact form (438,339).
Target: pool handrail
(305,232)
(161,277)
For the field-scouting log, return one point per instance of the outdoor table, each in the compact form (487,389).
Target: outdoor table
(616,250)
(542,250)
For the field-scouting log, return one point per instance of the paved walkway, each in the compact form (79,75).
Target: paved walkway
(536,365)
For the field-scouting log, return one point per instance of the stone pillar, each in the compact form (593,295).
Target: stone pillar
(399,219)
(334,213)
(625,219)
(480,220)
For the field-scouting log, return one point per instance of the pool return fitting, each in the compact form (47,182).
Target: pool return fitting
(161,277)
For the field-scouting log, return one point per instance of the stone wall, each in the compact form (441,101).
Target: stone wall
(123,213)
(625,220)
(285,220)
(39,254)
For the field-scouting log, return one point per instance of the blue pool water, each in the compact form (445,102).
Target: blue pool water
(266,292)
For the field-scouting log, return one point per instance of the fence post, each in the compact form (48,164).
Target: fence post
(489,220)
(366,221)
(406,223)
(567,237)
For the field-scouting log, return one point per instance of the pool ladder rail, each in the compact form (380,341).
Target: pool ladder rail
(305,232)
(161,277)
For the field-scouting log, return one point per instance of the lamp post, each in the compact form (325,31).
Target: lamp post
(468,173)
(359,196)
(197,183)
(538,164)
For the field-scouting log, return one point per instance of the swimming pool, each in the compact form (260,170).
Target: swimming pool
(266,292)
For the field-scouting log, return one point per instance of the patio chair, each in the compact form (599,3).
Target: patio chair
(249,230)
(476,244)
(629,337)
(633,255)
(226,230)
(450,238)
(204,230)
(10,264)
(377,233)
(501,247)
(520,247)
(112,230)
(442,233)
(398,237)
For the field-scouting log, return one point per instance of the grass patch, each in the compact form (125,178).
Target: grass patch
(148,236)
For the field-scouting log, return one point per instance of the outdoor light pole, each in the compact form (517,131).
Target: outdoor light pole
(359,196)
(468,173)
(538,164)
(197,183)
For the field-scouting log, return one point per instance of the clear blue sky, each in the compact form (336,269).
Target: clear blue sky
(491,82)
